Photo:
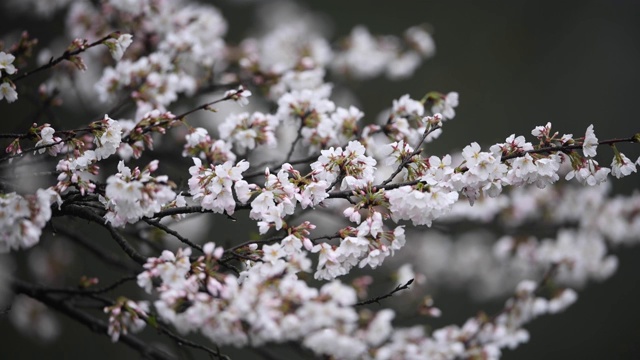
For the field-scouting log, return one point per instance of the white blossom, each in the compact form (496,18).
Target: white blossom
(108,138)
(241,95)
(212,185)
(8,92)
(446,106)
(621,166)
(118,46)
(590,144)
(6,63)
(131,195)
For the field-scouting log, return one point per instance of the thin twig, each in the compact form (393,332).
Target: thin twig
(347,193)
(297,139)
(65,56)
(192,210)
(415,152)
(325,237)
(156,223)
(32,149)
(247,243)
(390,294)
(203,107)
(183,341)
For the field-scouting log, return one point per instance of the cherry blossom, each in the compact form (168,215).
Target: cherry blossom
(117,46)
(589,173)
(8,92)
(212,185)
(126,316)
(622,166)
(247,131)
(446,105)
(50,143)
(133,194)
(590,143)
(107,138)
(6,63)
(349,166)
(22,218)
(241,96)
(34,319)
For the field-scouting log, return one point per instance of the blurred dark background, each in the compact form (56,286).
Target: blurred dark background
(516,64)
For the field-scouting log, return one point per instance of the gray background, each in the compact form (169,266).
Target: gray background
(516,64)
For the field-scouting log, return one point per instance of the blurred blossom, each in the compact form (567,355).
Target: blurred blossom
(33,319)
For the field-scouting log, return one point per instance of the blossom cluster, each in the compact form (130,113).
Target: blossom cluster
(349,166)
(212,185)
(280,195)
(485,174)
(267,303)
(369,244)
(500,262)
(22,218)
(48,141)
(275,306)
(33,318)
(133,194)
(247,131)
(478,337)
(199,143)
(126,316)
(80,162)
(367,56)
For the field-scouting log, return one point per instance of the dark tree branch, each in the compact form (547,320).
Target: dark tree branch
(179,211)
(94,324)
(87,214)
(107,257)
